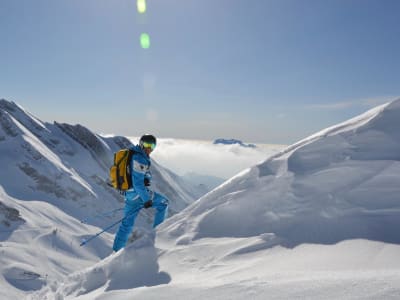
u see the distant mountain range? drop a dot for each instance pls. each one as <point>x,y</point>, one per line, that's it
<point>233,142</point>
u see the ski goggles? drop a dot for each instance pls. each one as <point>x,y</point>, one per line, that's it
<point>149,145</point>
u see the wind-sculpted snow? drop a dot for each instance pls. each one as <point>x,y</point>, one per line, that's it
<point>341,183</point>
<point>24,280</point>
<point>136,266</point>
<point>317,221</point>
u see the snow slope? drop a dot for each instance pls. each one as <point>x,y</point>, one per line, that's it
<point>317,221</point>
<point>52,177</point>
<point>67,165</point>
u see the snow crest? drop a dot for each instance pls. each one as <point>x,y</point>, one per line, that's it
<point>339,184</point>
<point>317,221</point>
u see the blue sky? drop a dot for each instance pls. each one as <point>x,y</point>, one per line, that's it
<point>261,71</point>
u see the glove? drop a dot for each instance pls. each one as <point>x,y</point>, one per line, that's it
<point>148,204</point>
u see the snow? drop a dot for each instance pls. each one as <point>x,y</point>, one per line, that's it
<point>318,220</point>
<point>52,177</point>
<point>227,268</point>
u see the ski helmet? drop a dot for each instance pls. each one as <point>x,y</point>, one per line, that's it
<point>148,141</point>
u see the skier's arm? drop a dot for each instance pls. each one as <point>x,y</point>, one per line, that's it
<point>139,170</point>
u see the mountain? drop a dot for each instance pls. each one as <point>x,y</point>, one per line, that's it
<point>204,182</point>
<point>233,142</point>
<point>52,177</point>
<point>337,184</point>
<point>319,220</point>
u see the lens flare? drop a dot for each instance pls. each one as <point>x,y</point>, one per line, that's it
<point>145,41</point>
<point>141,6</point>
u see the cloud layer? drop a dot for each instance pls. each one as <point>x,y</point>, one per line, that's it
<point>203,157</point>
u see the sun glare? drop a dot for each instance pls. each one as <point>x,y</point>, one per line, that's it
<point>145,40</point>
<point>141,6</point>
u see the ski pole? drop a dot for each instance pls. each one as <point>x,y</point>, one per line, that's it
<point>85,241</point>
<point>101,215</point>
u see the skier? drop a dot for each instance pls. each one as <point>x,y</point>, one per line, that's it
<point>140,195</point>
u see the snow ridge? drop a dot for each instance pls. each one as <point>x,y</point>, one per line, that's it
<point>338,184</point>
<point>53,176</point>
<point>318,221</point>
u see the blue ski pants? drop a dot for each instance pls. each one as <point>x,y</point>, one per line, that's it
<point>133,204</point>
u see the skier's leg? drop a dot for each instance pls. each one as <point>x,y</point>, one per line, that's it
<point>131,210</point>
<point>160,203</point>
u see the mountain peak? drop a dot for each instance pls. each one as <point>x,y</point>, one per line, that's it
<point>8,105</point>
<point>22,116</point>
<point>233,142</point>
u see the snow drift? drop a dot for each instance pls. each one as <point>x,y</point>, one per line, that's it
<point>318,220</point>
<point>340,183</point>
